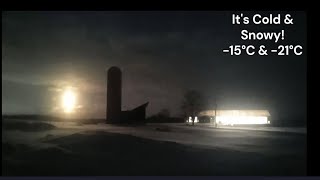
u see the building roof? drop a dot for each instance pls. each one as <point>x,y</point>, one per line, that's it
<point>143,106</point>
<point>235,113</point>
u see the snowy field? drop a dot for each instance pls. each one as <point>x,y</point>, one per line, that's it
<point>70,148</point>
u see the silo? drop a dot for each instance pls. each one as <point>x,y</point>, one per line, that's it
<point>113,95</point>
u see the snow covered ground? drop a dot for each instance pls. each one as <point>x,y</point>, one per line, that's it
<point>264,142</point>
<point>237,138</point>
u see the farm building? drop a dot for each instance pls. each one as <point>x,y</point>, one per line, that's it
<point>236,117</point>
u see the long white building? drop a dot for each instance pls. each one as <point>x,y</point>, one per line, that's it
<point>237,117</point>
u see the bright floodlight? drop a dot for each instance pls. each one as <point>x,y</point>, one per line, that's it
<point>68,101</point>
<point>196,119</point>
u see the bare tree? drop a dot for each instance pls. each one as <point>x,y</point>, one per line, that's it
<point>164,113</point>
<point>192,104</point>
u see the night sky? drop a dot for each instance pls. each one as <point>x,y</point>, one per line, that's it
<point>161,55</point>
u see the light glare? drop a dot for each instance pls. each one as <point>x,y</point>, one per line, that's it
<point>68,101</point>
<point>231,120</point>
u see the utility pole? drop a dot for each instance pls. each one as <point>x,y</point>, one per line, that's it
<point>215,114</point>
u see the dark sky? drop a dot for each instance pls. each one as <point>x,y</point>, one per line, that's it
<point>161,54</point>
